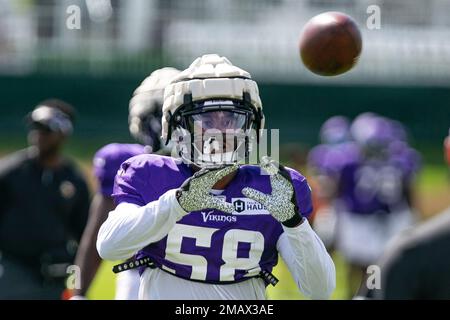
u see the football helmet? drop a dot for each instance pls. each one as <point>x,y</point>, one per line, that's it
<point>373,134</point>
<point>399,130</point>
<point>335,130</point>
<point>212,112</point>
<point>145,108</point>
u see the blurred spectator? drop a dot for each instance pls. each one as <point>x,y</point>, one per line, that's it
<point>44,203</point>
<point>417,263</point>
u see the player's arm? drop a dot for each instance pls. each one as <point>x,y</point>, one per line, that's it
<point>80,211</point>
<point>305,254</point>
<point>133,224</point>
<point>300,247</point>
<point>87,258</point>
<point>308,261</point>
<point>131,227</point>
<point>105,166</point>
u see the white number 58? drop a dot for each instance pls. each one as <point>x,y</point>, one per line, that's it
<point>203,236</point>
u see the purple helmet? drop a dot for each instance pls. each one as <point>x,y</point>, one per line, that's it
<point>372,131</point>
<point>398,130</point>
<point>335,130</point>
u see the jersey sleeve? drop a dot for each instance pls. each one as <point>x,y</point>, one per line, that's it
<point>302,193</point>
<point>308,261</point>
<point>107,162</point>
<point>130,181</point>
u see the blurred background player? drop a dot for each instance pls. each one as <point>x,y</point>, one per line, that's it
<point>375,197</point>
<point>145,110</point>
<point>334,139</point>
<point>369,181</point>
<point>416,264</point>
<point>44,203</point>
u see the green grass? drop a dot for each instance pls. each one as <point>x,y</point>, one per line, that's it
<point>103,287</point>
<point>433,177</point>
<point>286,289</point>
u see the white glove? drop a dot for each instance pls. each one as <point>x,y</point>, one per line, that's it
<point>194,193</point>
<point>281,203</point>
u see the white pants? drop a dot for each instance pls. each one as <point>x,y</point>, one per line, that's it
<point>362,238</point>
<point>127,285</point>
<point>160,285</point>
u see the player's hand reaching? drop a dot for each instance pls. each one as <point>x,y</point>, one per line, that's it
<point>194,193</point>
<point>281,202</point>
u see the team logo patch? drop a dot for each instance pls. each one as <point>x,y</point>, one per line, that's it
<point>248,206</point>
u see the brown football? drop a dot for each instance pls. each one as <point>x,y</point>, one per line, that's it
<point>330,44</point>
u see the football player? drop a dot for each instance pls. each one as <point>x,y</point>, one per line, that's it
<point>410,269</point>
<point>334,144</point>
<point>203,226</point>
<point>145,112</point>
<point>374,193</point>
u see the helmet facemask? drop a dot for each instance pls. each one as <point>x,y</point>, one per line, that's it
<point>145,109</point>
<point>145,126</point>
<point>214,132</point>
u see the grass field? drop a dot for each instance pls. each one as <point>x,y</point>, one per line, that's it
<point>432,190</point>
<point>103,286</point>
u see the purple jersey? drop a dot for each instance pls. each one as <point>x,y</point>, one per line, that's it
<point>369,186</point>
<point>329,159</point>
<point>107,162</point>
<point>209,245</point>
<point>405,156</point>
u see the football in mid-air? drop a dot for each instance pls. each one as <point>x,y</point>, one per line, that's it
<point>330,44</point>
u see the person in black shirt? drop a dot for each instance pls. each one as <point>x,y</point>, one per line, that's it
<point>44,203</point>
